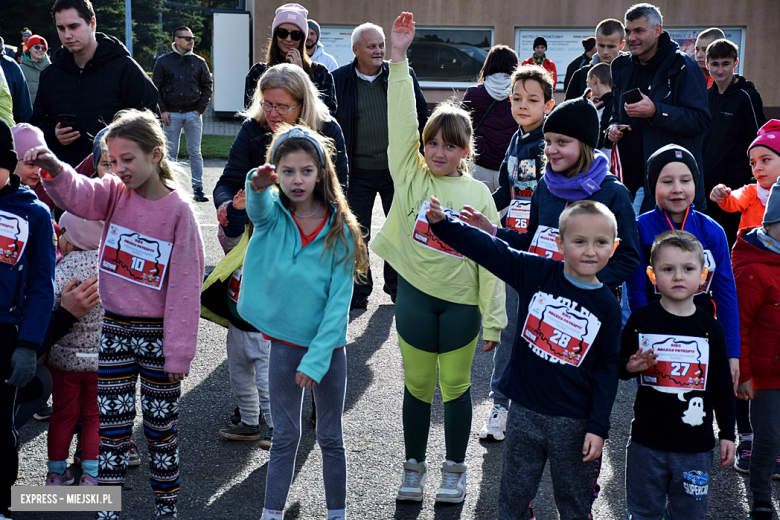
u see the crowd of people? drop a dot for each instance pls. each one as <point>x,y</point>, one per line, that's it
<point>629,232</point>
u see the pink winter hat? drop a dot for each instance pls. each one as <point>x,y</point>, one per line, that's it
<point>292,13</point>
<point>768,135</point>
<point>84,234</point>
<point>26,136</point>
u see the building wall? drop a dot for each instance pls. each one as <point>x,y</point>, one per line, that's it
<point>760,17</point>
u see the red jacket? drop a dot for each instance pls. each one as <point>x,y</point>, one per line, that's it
<point>757,275</point>
<point>548,66</point>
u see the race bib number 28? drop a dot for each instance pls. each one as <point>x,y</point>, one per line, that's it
<point>558,331</point>
<point>135,257</point>
<point>14,234</point>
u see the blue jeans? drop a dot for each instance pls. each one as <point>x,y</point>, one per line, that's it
<point>192,124</point>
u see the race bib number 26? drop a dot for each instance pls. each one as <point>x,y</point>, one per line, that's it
<point>135,257</point>
<point>559,331</point>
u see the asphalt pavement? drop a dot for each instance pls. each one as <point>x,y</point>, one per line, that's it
<point>225,480</point>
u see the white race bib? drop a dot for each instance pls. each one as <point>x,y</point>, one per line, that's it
<point>234,286</point>
<point>518,215</point>
<point>559,331</point>
<point>543,243</point>
<point>423,235</point>
<point>682,363</point>
<point>135,257</point>
<point>14,235</point>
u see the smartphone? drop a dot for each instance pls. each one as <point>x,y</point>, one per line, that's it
<point>632,96</point>
<point>68,120</point>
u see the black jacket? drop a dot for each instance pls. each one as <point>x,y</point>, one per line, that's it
<point>111,81</point>
<point>574,66</point>
<point>184,82</point>
<point>679,91</point>
<point>737,114</point>
<point>320,76</point>
<point>346,90</point>
<point>249,150</point>
<point>606,115</point>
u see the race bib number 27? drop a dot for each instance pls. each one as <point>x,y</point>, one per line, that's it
<point>681,364</point>
<point>135,257</point>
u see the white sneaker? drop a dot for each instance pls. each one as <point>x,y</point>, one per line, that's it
<point>495,427</point>
<point>453,483</point>
<point>413,483</point>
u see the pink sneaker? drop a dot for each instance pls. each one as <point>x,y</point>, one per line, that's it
<point>55,479</point>
<point>88,480</point>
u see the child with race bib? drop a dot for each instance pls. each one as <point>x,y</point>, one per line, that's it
<point>151,270</point>
<point>678,351</point>
<point>574,171</point>
<point>671,178</point>
<point>440,294</point>
<point>304,255</point>
<point>562,377</point>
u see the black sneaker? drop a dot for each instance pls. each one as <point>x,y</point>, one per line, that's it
<point>198,195</point>
<point>267,440</point>
<point>392,292</point>
<point>761,511</point>
<point>236,417</point>
<point>742,458</point>
<point>241,432</point>
<point>43,414</point>
<point>359,301</point>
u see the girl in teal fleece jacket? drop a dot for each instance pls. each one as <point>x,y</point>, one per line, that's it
<point>299,270</point>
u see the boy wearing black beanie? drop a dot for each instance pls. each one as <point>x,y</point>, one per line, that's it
<point>26,299</point>
<point>672,174</point>
<point>539,57</point>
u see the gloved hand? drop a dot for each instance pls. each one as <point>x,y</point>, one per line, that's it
<point>23,362</point>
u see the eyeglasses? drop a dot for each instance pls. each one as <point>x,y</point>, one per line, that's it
<point>281,110</point>
<point>39,47</point>
<point>188,38</point>
<point>284,33</point>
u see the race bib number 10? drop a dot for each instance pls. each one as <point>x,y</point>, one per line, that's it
<point>559,331</point>
<point>14,234</point>
<point>135,257</point>
<point>682,363</point>
<point>423,235</point>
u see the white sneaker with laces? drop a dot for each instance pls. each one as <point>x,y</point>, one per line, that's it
<point>413,483</point>
<point>453,483</point>
<point>495,427</point>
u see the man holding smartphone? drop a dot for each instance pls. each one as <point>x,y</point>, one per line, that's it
<point>660,98</point>
<point>184,83</point>
<point>91,78</point>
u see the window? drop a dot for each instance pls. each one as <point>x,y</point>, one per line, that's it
<point>443,57</point>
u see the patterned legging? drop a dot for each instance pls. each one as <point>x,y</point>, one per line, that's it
<point>129,346</point>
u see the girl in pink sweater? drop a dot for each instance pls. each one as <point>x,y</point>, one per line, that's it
<point>151,269</point>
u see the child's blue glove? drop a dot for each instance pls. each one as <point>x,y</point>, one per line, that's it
<point>23,362</point>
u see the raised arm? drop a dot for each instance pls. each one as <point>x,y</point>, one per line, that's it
<point>258,196</point>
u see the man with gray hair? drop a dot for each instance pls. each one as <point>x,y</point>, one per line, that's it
<point>361,88</point>
<point>660,98</point>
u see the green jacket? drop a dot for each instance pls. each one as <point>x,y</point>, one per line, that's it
<point>32,72</point>
<point>6,101</point>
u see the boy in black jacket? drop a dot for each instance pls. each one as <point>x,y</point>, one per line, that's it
<point>563,372</point>
<point>737,114</point>
<point>26,299</point>
<point>679,353</point>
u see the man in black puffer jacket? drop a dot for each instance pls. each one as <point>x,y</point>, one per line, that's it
<point>92,77</point>
<point>184,83</point>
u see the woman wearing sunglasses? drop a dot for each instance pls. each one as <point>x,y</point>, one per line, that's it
<point>34,60</point>
<point>288,45</point>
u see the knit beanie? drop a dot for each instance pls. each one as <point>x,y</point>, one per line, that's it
<point>669,154</point>
<point>7,154</point>
<point>577,118</point>
<point>769,136</point>
<point>84,234</point>
<point>772,211</point>
<point>36,39</point>
<point>292,13</point>
<point>540,41</point>
<point>588,43</point>
<point>26,136</point>
<point>314,25</point>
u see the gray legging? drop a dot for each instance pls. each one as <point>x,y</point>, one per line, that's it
<point>286,408</point>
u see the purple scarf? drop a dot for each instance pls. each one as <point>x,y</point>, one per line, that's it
<point>582,185</point>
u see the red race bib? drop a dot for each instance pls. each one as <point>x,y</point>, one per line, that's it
<point>137,258</point>
<point>14,234</point>
<point>543,243</point>
<point>234,287</point>
<point>682,363</point>
<point>423,235</point>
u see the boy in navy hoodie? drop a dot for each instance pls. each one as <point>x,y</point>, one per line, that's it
<point>671,176</point>
<point>678,351</point>
<point>563,372</point>
<point>26,299</point>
